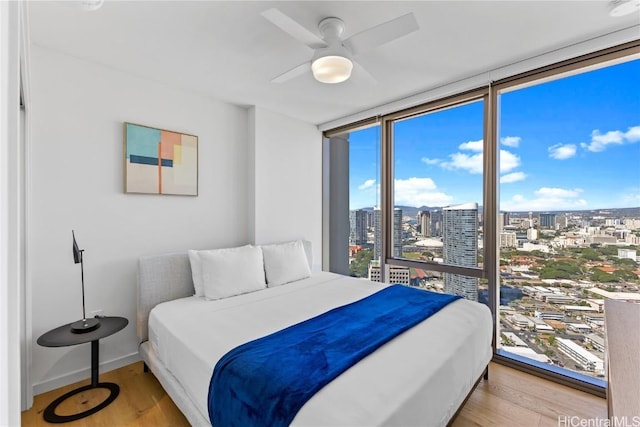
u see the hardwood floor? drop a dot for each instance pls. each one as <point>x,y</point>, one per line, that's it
<point>142,402</point>
<point>513,398</point>
<point>509,398</point>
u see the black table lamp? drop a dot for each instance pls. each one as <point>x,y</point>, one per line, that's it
<point>84,325</point>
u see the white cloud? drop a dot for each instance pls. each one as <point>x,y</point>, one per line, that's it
<point>557,192</point>
<point>562,152</point>
<point>472,164</point>
<point>546,198</point>
<point>632,134</point>
<point>599,142</point>
<point>513,177</point>
<point>419,192</point>
<point>472,145</point>
<point>429,161</point>
<point>370,183</point>
<point>508,161</point>
<point>511,141</point>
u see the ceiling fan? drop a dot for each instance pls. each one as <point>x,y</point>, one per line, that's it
<point>332,60</point>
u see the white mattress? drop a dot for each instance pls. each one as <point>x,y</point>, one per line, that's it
<point>418,378</point>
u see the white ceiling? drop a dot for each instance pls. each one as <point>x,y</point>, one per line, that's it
<point>227,50</point>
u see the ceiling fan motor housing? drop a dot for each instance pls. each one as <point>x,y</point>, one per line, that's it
<point>332,64</point>
<point>331,28</point>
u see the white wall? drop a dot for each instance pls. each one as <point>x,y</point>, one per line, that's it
<point>10,243</point>
<point>287,179</point>
<point>78,110</point>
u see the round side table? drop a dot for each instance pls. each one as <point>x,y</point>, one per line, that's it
<point>63,336</point>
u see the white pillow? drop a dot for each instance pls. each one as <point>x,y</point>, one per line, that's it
<point>285,262</point>
<point>232,271</point>
<point>196,271</point>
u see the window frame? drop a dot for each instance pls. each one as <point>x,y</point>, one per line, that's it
<point>387,178</point>
<point>599,59</point>
<point>491,249</point>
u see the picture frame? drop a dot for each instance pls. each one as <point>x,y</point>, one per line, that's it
<point>159,161</point>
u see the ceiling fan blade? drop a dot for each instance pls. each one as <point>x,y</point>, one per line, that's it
<point>292,73</point>
<point>293,28</point>
<point>361,74</point>
<point>381,34</point>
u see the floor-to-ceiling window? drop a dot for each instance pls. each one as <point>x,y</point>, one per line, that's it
<point>354,158</point>
<point>364,199</point>
<point>569,226</point>
<point>436,190</point>
<point>524,195</point>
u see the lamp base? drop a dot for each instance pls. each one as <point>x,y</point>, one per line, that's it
<point>85,325</point>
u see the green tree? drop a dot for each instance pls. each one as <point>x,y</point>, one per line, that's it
<point>624,262</point>
<point>428,255</point>
<point>590,254</point>
<point>560,270</point>
<point>624,275</point>
<point>598,275</point>
<point>612,250</point>
<point>359,267</point>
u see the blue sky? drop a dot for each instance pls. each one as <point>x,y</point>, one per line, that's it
<point>568,144</point>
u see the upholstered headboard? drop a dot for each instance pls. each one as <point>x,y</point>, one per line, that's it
<point>167,277</point>
<point>161,278</point>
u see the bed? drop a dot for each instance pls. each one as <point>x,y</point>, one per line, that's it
<point>421,377</point>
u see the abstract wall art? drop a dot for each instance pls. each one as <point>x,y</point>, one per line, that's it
<point>159,161</point>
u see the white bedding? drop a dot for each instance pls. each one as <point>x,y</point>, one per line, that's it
<point>419,378</point>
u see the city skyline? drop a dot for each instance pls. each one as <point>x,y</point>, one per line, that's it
<point>567,144</point>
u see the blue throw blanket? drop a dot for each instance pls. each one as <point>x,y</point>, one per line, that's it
<point>265,382</point>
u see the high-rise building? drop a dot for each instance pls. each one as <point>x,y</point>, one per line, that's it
<point>377,233</point>
<point>397,233</point>
<point>424,219</point>
<point>460,248</point>
<point>548,220</point>
<point>370,220</point>
<point>503,220</point>
<point>358,227</point>
<point>436,223</point>
<point>562,221</point>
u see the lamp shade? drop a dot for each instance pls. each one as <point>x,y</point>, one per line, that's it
<point>77,252</point>
<point>332,68</point>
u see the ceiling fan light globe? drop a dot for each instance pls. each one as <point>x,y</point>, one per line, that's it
<point>332,69</point>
